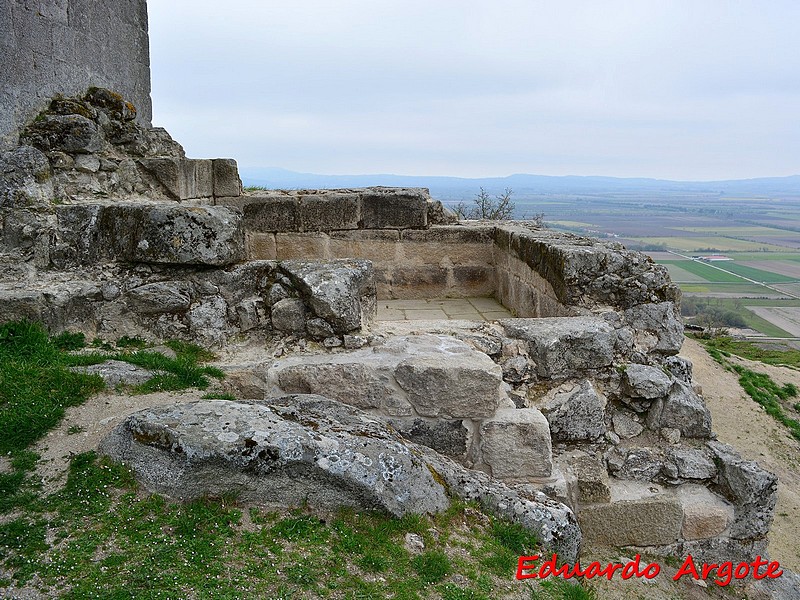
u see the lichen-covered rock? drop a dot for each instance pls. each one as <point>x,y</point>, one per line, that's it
<point>641,381</point>
<point>319,329</point>
<point>450,438</point>
<point>26,179</point>
<point>161,233</point>
<point>576,414</point>
<point>752,490</point>
<point>73,134</point>
<point>161,297</point>
<point>565,346</point>
<point>340,291</point>
<point>294,452</point>
<point>689,463</point>
<point>682,409</point>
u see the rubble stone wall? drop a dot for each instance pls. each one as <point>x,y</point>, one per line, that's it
<point>51,47</point>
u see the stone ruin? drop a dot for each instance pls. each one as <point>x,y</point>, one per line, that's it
<point>575,418</point>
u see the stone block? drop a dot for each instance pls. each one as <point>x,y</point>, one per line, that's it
<point>515,444</point>
<point>394,208</point>
<point>308,246</point>
<point>752,490</point>
<point>564,346</point>
<point>289,316</point>
<point>576,414</point>
<point>340,291</point>
<point>590,475</point>
<point>634,517</point>
<point>448,437</point>
<point>162,297</point>
<point>453,234</point>
<point>682,409</point>
<point>226,178</point>
<point>271,213</point>
<point>183,178</point>
<point>458,383</point>
<point>689,463</point>
<point>635,464</point>
<point>657,328</point>
<point>705,514</point>
<point>641,381</point>
<point>325,212</point>
<point>260,246</point>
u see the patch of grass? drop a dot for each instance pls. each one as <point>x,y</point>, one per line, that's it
<point>131,342</point>
<point>759,386</point>
<point>69,341</point>
<point>35,386</point>
<point>432,566</point>
<point>565,590</point>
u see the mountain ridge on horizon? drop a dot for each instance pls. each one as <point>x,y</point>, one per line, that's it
<point>522,183</point>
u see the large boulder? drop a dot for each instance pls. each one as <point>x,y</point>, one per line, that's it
<point>658,327</point>
<point>309,450</point>
<point>323,454</point>
<point>576,414</point>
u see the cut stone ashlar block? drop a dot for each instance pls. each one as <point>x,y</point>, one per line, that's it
<point>394,208</point>
<point>161,233</point>
<point>515,444</point>
<point>635,516</point>
<point>226,178</point>
<point>705,515</point>
<point>183,178</point>
<point>564,346</point>
<point>424,375</point>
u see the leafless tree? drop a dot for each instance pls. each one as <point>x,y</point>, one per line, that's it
<point>497,208</point>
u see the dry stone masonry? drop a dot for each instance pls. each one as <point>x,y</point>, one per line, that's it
<point>575,418</point>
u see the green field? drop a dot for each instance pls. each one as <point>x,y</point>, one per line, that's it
<point>706,272</point>
<point>756,274</point>
<point>701,244</point>
<point>743,289</point>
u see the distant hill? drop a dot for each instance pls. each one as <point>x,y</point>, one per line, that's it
<point>523,184</point>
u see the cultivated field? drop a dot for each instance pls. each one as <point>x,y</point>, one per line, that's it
<point>760,235</point>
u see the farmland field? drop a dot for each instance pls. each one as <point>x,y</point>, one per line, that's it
<point>709,244</point>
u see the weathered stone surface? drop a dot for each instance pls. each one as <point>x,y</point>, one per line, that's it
<point>270,214</point>
<point>576,414</point>
<point>277,292</point>
<point>646,521</point>
<point>682,409</point>
<point>705,514</point>
<point>162,297</point>
<point>319,328</point>
<point>289,315</point>
<point>226,178</point>
<point>681,368</point>
<point>658,327</point>
<point>591,477</point>
<point>296,451</point>
<point>340,291</point>
<point>516,369</point>
<point>25,179</point>
<point>72,134</point>
<point>515,443</point>
<point>635,464</point>
<point>148,232</point>
<point>446,437</point>
<point>562,347</point>
<point>394,208</point>
<point>752,490</point>
<point>553,522</point>
<point>625,426</point>
<point>688,463</point>
<point>439,376</point>
<point>456,383</point>
<point>785,587</point>
<point>183,178</point>
<point>116,372</point>
<point>641,381</point>
<point>331,211</point>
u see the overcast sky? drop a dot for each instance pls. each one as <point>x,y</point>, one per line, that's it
<point>694,89</point>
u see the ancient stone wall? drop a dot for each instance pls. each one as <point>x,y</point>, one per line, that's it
<point>50,47</point>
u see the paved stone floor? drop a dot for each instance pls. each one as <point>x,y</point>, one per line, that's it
<point>475,309</point>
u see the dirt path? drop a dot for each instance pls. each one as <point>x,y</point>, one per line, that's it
<point>743,424</point>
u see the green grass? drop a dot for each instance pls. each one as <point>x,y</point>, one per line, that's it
<point>707,272</point>
<point>756,274</point>
<point>759,386</point>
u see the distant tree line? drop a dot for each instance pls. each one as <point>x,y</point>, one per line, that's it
<point>707,313</point>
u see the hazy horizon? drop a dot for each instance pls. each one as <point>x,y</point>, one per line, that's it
<point>669,89</point>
